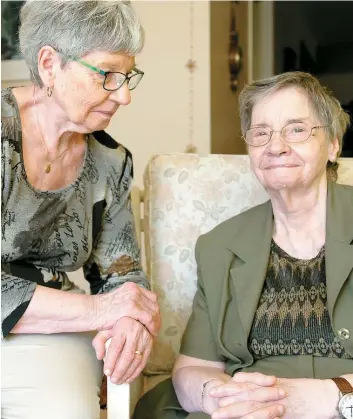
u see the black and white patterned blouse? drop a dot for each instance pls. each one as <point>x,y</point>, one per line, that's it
<point>46,234</point>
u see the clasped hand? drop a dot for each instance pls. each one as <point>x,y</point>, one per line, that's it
<point>258,396</point>
<point>137,322</point>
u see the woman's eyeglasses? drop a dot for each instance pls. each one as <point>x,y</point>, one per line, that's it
<point>292,133</point>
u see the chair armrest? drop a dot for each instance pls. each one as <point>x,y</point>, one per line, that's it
<point>118,401</point>
<point>122,398</point>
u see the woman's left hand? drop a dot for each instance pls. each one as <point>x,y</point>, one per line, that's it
<point>255,396</point>
<point>121,362</point>
<point>305,398</point>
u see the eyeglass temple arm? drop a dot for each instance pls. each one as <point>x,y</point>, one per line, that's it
<point>103,73</point>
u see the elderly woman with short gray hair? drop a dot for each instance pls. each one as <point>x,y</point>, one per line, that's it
<point>66,205</point>
<point>271,330</point>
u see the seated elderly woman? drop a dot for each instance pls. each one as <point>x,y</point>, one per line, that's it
<point>66,205</point>
<point>271,331</point>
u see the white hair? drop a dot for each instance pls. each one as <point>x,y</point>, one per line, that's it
<point>328,109</point>
<point>77,27</point>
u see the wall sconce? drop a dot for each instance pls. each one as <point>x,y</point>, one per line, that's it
<point>235,54</point>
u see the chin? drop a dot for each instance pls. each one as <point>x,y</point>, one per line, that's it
<point>281,183</point>
<point>100,126</point>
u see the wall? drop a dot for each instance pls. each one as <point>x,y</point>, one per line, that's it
<point>157,120</point>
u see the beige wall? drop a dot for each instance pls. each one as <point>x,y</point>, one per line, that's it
<point>157,120</point>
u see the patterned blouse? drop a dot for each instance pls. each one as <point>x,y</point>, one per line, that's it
<point>292,316</point>
<point>46,234</point>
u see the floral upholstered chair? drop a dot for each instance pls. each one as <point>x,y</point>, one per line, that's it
<point>185,196</point>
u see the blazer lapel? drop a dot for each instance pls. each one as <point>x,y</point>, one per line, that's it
<point>339,241</point>
<point>251,246</point>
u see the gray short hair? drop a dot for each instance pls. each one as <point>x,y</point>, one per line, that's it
<point>77,27</point>
<point>326,106</point>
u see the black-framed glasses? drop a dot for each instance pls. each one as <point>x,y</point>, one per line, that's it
<point>292,133</point>
<point>113,80</point>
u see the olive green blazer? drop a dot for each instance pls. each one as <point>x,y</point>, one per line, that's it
<point>232,262</point>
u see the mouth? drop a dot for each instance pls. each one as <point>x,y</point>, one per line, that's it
<point>106,114</point>
<point>281,166</point>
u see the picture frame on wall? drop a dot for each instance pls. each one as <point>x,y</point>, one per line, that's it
<point>13,66</point>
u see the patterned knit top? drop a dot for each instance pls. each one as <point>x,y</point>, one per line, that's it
<point>46,234</point>
<point>292,316</point>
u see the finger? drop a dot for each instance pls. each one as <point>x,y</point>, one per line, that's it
<point>124,361</point>
<point>139,306</point>
<point>147,303</point>
<point>132,374</point>
<point>136,364</point>
<point>153,308</point>
<point>230,389</point>
<point>149,319</point>
<point>137,289</point>
<point>98,343</point>
<point>113,353</point>
<point>260,394</point>
<point>255,378</point>
<point>257,410</point>
<point>269,412</point>
<point>152,296</point>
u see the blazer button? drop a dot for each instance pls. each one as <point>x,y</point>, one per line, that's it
<point>343,334</point>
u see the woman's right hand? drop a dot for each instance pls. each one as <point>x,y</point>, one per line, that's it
<point>258,399</point>
<point>129,300</point>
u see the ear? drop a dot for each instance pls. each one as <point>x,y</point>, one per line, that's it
<point>48,64</point>
<point>334,149</point>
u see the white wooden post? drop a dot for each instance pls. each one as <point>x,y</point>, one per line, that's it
<point>118,398</point>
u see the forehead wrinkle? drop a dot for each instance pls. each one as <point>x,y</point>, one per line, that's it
<point>280,107</point>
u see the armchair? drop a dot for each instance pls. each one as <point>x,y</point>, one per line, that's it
<point>185,196</point>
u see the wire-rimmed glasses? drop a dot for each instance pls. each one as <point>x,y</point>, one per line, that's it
<point>292,133</point>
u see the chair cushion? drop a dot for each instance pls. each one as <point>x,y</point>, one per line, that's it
<point>185,196</point>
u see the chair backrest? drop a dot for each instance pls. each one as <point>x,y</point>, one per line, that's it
<point>185,196</point>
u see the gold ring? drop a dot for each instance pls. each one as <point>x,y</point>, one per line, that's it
<point>138,353</point>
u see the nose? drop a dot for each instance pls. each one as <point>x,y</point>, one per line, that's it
<point>122,95</point>
<point>277,145</point>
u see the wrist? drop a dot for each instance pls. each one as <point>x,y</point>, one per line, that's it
<point>94,313</point>
<point>209,404</point>
<point>332,395</point>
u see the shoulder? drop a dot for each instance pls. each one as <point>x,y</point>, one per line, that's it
<point>8,108</point>
<point>223,233</point>
<point>344,191</point>
<point>341,199</point>
<point>10,122</point>
<point>115,156</point>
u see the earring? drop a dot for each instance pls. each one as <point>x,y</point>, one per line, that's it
<point>49,91</point>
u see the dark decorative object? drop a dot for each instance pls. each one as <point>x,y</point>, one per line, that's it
<point>347,150</point>
<point>289,59</point>
<point>235,54</point>
<point>307,62</point>
<point>9,29</point>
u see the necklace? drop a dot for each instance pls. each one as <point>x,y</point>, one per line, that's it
<point>49,161</point>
